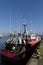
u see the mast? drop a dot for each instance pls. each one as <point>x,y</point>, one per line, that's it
<point>24,28</point>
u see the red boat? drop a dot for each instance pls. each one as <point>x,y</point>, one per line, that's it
<point>20,47</point>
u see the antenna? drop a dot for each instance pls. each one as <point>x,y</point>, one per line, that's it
<point>30,25</point>
<point>9,20</point>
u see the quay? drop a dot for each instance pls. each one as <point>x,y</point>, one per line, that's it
<point>34,61</point>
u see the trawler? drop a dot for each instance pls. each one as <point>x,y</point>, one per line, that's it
<point>20,47</point>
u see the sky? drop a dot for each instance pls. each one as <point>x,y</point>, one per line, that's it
<point>13,13</point>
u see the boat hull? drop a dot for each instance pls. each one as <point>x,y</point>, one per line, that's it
<point>10,57</point>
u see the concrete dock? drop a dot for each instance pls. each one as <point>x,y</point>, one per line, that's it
<point>34,61</point>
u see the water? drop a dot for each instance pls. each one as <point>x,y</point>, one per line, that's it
<point>2,45</point>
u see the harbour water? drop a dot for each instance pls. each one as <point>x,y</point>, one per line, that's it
<point>2,45</point>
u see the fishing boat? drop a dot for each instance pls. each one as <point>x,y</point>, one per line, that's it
<point>20,47</point>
